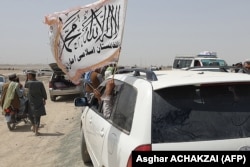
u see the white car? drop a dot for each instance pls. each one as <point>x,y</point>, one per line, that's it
<point>60,84</point>
<point>167,110</point>
<point>203,59</point>
<point>45,72</point>
<point>2,81</point>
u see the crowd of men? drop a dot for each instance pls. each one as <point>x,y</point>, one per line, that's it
<point>242,67</point>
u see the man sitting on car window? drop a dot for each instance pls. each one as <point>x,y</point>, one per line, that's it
<point>106,98</point>
<point>92,80</point>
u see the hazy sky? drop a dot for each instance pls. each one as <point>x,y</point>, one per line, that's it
<point>155,30</point>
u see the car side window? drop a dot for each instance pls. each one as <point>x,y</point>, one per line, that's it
<point>98,106</point>
<point>197,63</point>
<point>123,111</point>
<point>94,103</point>
<point>182,63</point>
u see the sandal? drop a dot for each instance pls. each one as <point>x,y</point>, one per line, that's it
<point>37,134</point>
<point>36,131</point>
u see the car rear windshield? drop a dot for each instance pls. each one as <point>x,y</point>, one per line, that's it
<point>201,113</point>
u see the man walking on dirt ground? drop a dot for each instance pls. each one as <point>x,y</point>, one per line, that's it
<point>37,97</point>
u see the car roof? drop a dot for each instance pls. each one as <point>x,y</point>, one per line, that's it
<point>170,78</point>
<point>198,58</point>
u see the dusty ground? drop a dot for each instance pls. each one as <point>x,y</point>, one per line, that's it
<point>59,143</point>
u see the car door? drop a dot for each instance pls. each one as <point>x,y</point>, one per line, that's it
<point>96,129</point>
<point>117,139</point>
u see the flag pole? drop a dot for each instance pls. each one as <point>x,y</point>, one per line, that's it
<point>121,40</point>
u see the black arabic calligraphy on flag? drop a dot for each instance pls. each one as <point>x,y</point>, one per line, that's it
<point>88,37</point>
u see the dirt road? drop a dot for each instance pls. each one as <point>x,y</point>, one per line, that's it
<point>57,146</point>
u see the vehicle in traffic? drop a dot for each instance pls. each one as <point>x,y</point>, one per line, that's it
<point>166,110</point>
<point>60,84</point>
<point>2,81</point>
<point>155,68</point>
<point>203,59</point>
<point>44,72</point>
<point>14,117</point>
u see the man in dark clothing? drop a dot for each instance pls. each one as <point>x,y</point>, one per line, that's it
<point>245,67</point>
<point>37,97</point>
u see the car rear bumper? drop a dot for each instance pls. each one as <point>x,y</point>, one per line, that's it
<point>60,92</point>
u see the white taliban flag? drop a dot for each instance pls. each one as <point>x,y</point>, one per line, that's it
<point>87,37</point>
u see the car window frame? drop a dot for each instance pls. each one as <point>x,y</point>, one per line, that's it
<point>101,88</point>
<point>120,102</point>
<point>116,102</point>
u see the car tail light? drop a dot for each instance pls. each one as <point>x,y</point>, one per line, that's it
<point>146,147</point>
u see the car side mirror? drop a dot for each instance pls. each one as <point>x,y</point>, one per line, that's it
<point>81,102</point>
